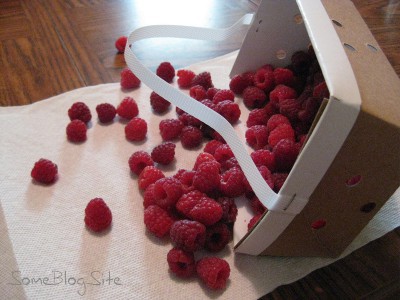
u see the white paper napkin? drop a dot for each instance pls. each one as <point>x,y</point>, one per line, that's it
<point>42,230</point>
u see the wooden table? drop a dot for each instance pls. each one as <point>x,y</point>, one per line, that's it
<point>48,47</point>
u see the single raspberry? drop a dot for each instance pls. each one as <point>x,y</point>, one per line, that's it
<point>253,221</point>
<point>189,120</point>
<point>170,129</point>
<point>166,71</point>
<point>276,120</point>
<point>76,131</point>
<point>211,146</point>
<point>229,110</point>
<point>300,62</point>
<point>149,175</point>
<point>229,209</point>
<point>158,103</point>
<point>79,111</point>
<point>254,97</point>
<point>148,196</point>
<point>211,92</point>
<point>185,176</point>
<point>106,112</point>
<point>207,177</point>
<point>136,129</point>
<point>286,152</point>
<point>264,79</point>
<point>167,192</point>
<point>157,220</point>
<point>198,92</point>
<point>181,263</point>
<point>188,235</point>
<point>256,206</point>
<point>206,211</point>
<point>128,108</point>
<point>44,171</point>
<point>264,157</point>
<point>223,95</point>
<point>128,79</point>
<point>321,90</point>
<point>232,182</point>
<point>204,79</point>
<point>120,43</point>
<point>191,137</point>
<point>201,158</point>
<point>279,179</point>
<point>238,83</point>
<point>185,78</point>
<point>223,153</point>
<point>164,154</point>
<point>217,237</point>
<point>284,131</point>
<point>281,92</point>
<point>139,160</point>
<point>214,272</point>
<point>257,116</point>
<point>98,216</point>
<point>290,108</point>
<point>283,76</point>
<point>189,200</point>
<point>257,136</point>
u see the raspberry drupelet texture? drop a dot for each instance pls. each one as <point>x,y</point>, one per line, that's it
<point>281,92</point>
<point>148,176</point>
<point>207,177</point>
<point>79,111</point>
<point>201,158</point>
<point>106,112</point>
<point>238,83</point>
<point>136,129</point>
<point>189,200</point>
<point>222,153</point>
<point>139,160</point>
<point>217,237</point>
<point>170,129</point>
<point>211,146</point>
<point>76,131</point>
<point>167,192</point>
<point>164,154</point>
<point>158,103</point>
<point>214,272</point>
<point>232,182</point>
<point>283,76</point>
<point>222,95</point>
<point>254,97</point>
<point>120,44</point>
<point>202,209</point>
<point>257,136</point>
<point>264,157</point>
<point>188,235</point>
<point>128,108</point>
<point>257,116</point>
<point>283,131</point>
<point>157,220</point>
<point>276,120</point>
<point>129,80</point>
<point>285,152</point>
<point>166,71</point>
<point>191,137</point>
<point>264,79</point>
<point>181,263</point>
<point>229,110</point>
<point>44,171</point>
<point>229,209</point>
<point>204,79</point>
<point>185,78</point>
<point>198,92</point>
<point>148,196</point>
<point>98,216</point>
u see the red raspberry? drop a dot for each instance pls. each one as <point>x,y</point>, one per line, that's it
<point>164,154</point>
<point>209,103</point>
<point>254,97</point>
<point>253,221</point>
<point>264,80</point>
<point>76,131</point>
<point>321,90</point>
<point>256,205</point>
<point>98,216</point>
<point>223,95</point>
<point>290,108</point>
<point>188,235</point>
<point>257,136</point>
<point>203,79</point>
<point>106,112</point>
<point>157,220</point>
<point>283,131</point>
<point>211,146</point>
<point>139,160</point>
<point>206,211</point>
<point>229,110</point>
<point>166,71</point>
<point>79,111</point>
<point>286,152</point>
<point>238,83</point>
<point>201,158</point>
<point>214,272</point>
<point>263,157</point>
<point>185,78</point>
<point>279,179</point>
<point>149,175</point>
<point>310,109</point>
<point>283,76</point>
<point>120,43</point>
<point>167,192</point>
<point>276,120</point>
<point>170,129</point>
<point>281,92</point>
<point>229,209</point>
<point>136,129</point>
<point>44,171</point>
<point>188,119</point>
<point>211,92</point>
<point>207,177</point>
<point>229,164</point>
<point>191,137</point>
<point>158,103</point>
<point>198,92</point>
<point>189,200</point>
<point>148,196</point>
<point>128,108</point>
<point>129,80</point>
<point>223,153</point>
<point>232,182</point>
<point>181,263</point>
<point>257,116</point>
<point>217,237</point>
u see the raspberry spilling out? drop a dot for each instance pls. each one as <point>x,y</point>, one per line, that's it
<point>185,78</point>
<point>44,171</point>
<point>214,272</point>
<point>164,154</point>
<point>148,176</point>
<point>128,108</point>
<point>136,129</point>
<point>254,97</point>
<point>204,79</point>
<point>188,235</point>
<point>191,137</point>
<point>181,263</point>
<point>98,216</point>
<point>217,237</point>
<point>120,43</point>
<point>129,80</point>
<point>167,192</point>
<point>158,103</point>
<point>157,220</point>
<point>139,160</point>
<point>79,111</point>
<point>170,129</point>
<point>106,112</point>
<point>166,71</point>
<point>76,131</point>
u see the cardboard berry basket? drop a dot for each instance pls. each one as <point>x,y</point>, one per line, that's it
<point>350,164</point>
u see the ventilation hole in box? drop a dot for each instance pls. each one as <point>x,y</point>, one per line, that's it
<point>372,48</point>
<point>298,19</point>
<point>318,224</point>
<point>349,47</point>
<point>337,23</point>
<point>368,207</point>
<point>281,54</point>
<point>353,181</point>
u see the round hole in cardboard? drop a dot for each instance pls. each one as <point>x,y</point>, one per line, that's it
<point>337,23</point>
<point>318,224</point>
<point>368,207</point>
<point>298,19</point>
<point>349,47</point>
<point>281,54</point>
<point>353,181</point>
<point>372,48</point>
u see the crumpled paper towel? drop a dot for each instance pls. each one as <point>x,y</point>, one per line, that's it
<point>46,251</point>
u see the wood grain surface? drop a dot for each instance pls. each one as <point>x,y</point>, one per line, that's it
<point>48,47</point>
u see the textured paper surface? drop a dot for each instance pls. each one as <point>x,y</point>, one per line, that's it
<point>42,230</point>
